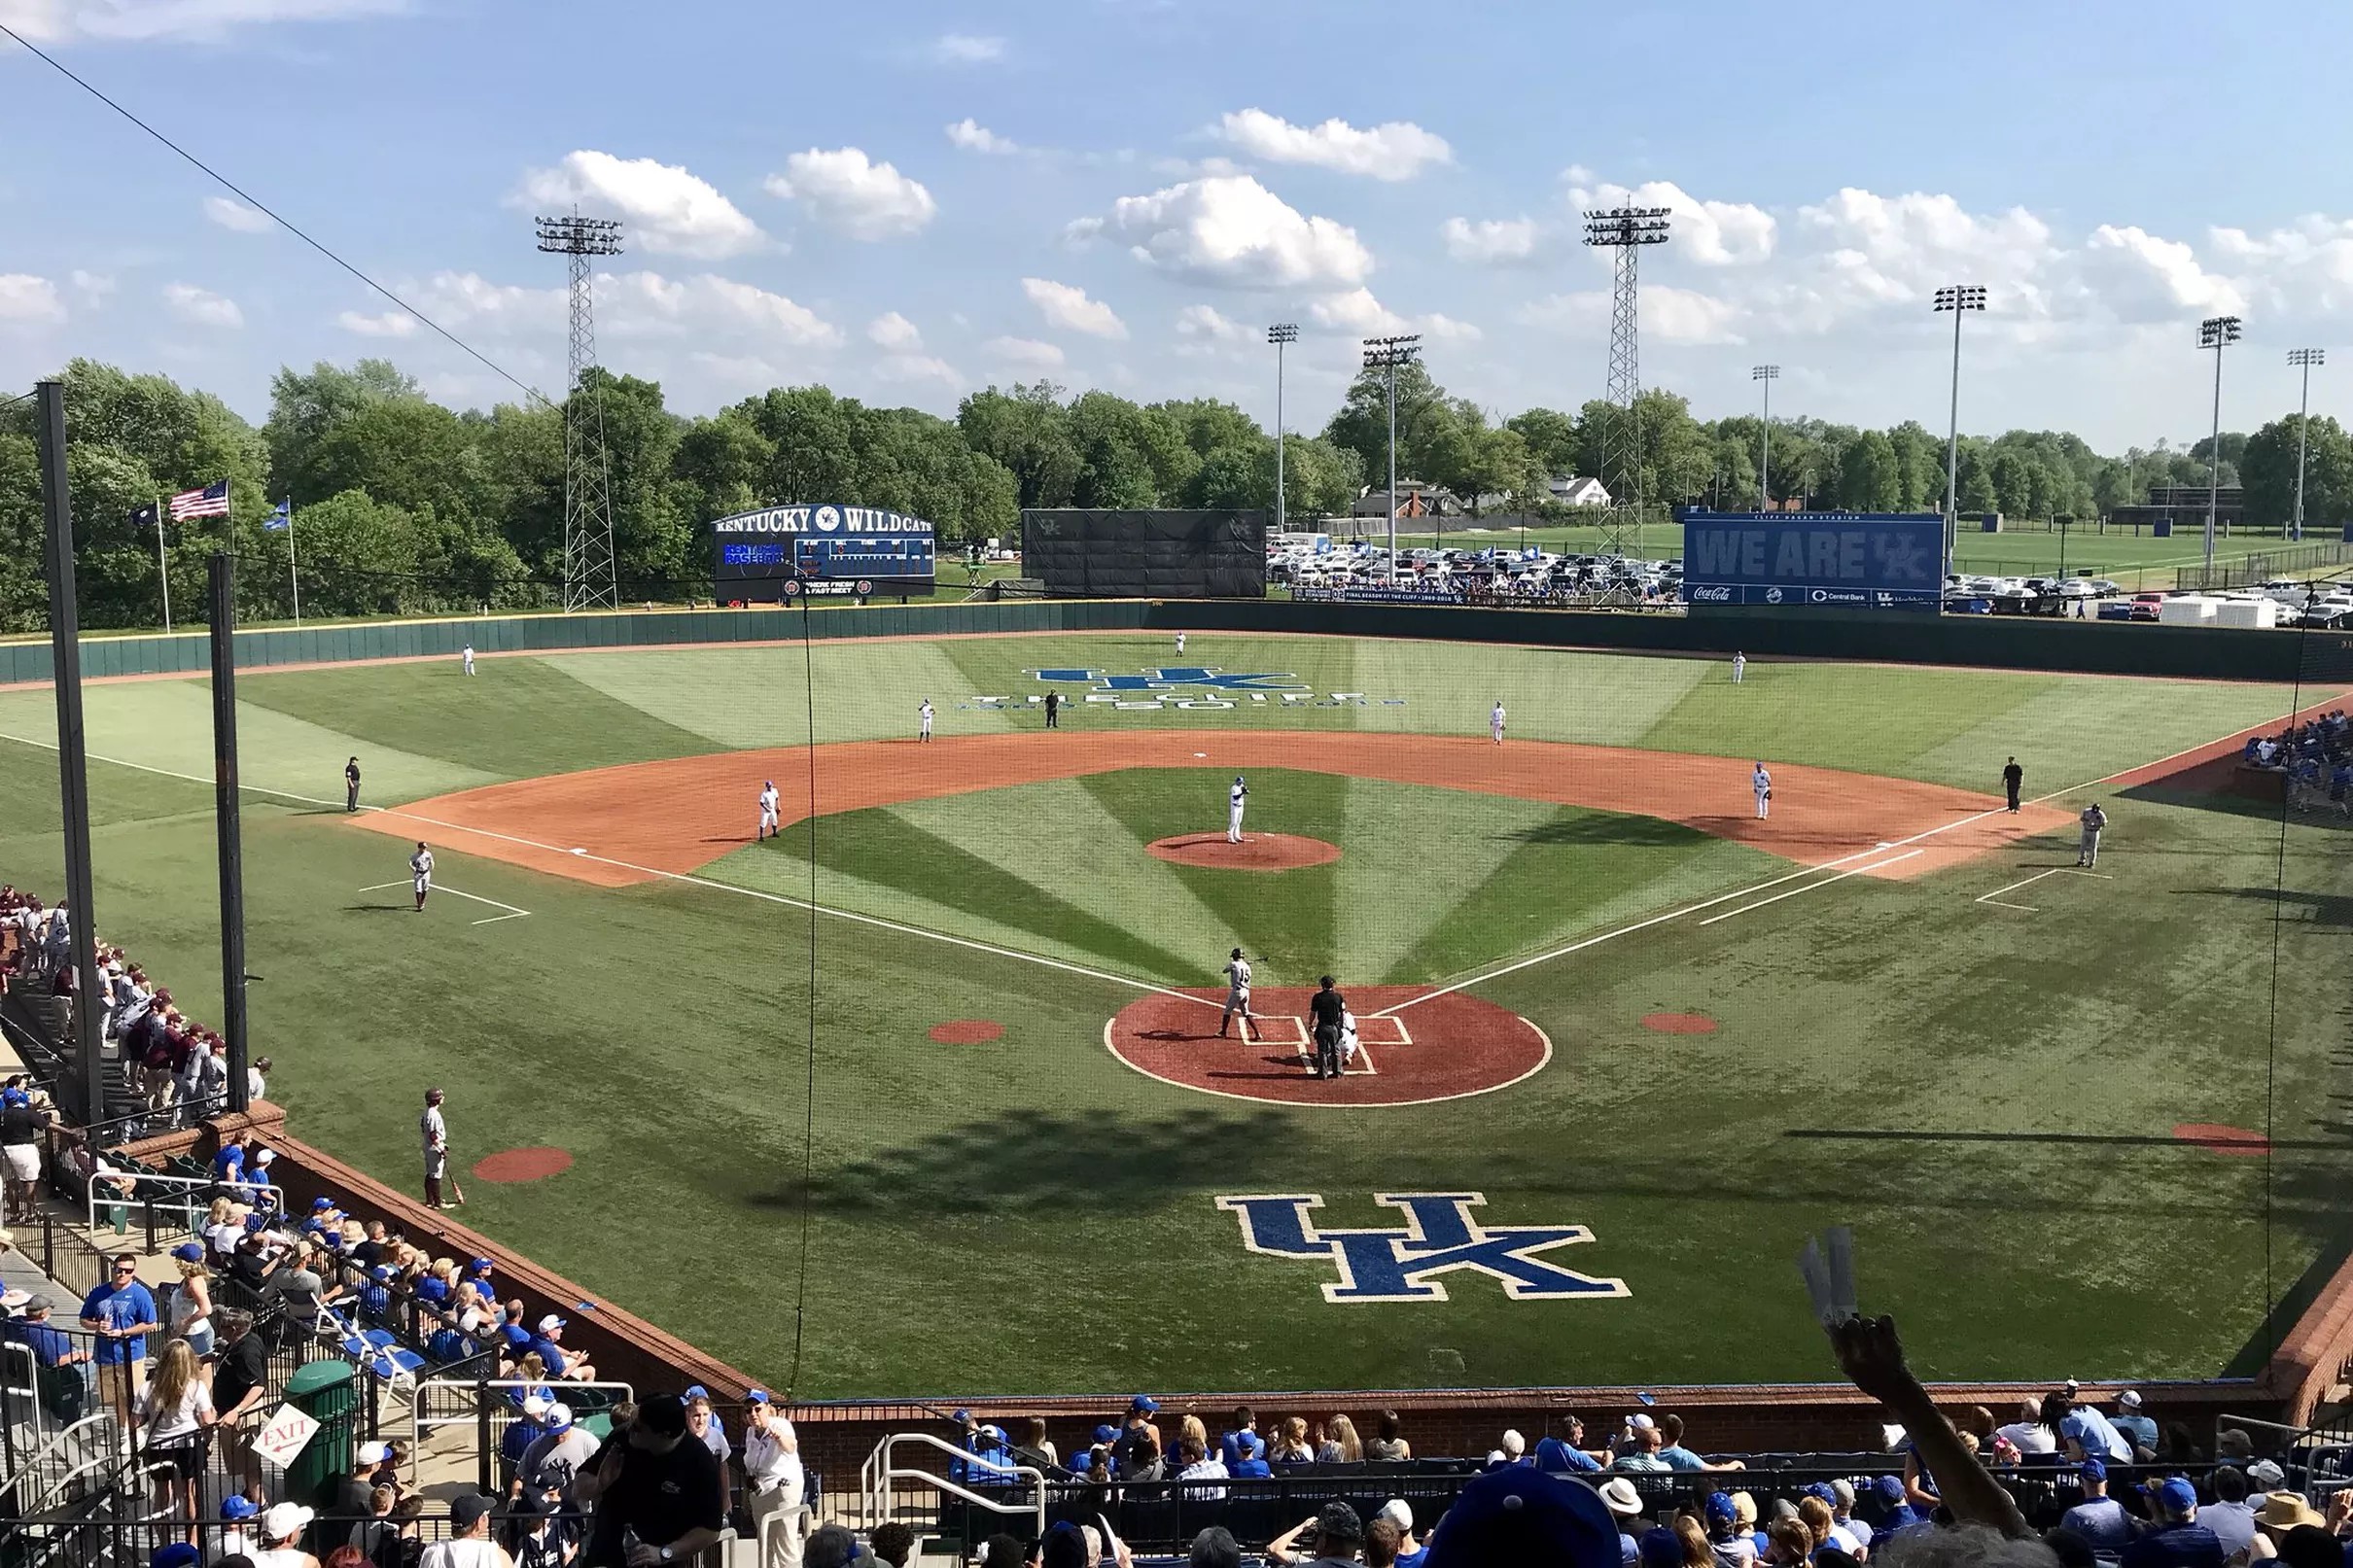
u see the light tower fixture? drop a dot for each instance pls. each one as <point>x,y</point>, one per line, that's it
<point>1386,354</point>
<point>2217,333</point>
<point>1767,376</point>
<point>1625,232</point>
<point>2305,358</point>
<point>591,579</point>
<point>1280,333</point>
<point>1960,299</point>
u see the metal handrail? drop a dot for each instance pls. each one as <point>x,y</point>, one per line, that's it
<point>480,1414</point>
<point>879,1473</point>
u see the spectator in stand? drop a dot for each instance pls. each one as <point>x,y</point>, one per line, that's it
<point>1624,1505</point>
<point>1229,1445</point>
<point>1678,1457</point>
<point>2085,1431</point>
<point>1529,1520</point>
<point>1565,1454</point>
<point>1788,1544</point>
<point>1200,1465</point>
<point>1390,1444</point>
<point>281,1527</point>
<point>239,1389</point>
<point>1332,1535</point>
<point>241,1535</point>
<point>1214,1547</point>
<point>122,1313</point>
<point>515,1339</point>
<point>2030,1433</point>
<point>1141,1411</point>
<point>257,1079</point>
<point>1697,1552</point>
<point>1139,1459</point>
<point>552,1464</point>
<point>893,1542</point>
<point>176,1409</point>
<point>516,1441</point>
<point>704,1423</point>
<point>22,1130</point>
<point>2175,1539</point>
<point>650,1480</point>
<point>1728,1545</point>
<point>369,1251</point>
<point>71,1395</point>
<point>548,1347</point>
<point>469,1544</point>
<point>2100,1519</point>
<point>2229,1516</point>
<point>1342,1446</point>
<point>1815,1512</point>
<point>1291,1444</point>
<point>774,1482</point>
<point>192,1302</point>
<point>542,1538</point>
<point>1896,1514</point>
<point>224,1229</point>
<point>1648,1439</point>
<point>1397,1512</point>
<point>1249,1461</point>
<point>1381,1543</point>
<point>1510,1449</point>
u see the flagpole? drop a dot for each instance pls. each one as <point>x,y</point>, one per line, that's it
<point>162,572</point>
<point>291,575</point>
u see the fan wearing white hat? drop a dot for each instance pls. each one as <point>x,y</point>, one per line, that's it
<point>2137,1427</point>
<point>1400,1513</point>
<point>281,1530</point>
<point>552,1462</point>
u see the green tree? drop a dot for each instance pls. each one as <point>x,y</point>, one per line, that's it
<point>1977,488</point>
<point>1551,436</point>
<point>1871,476</point>
<point>1027,430</point>
<point>2012,484</point>
<point>2267,469</point>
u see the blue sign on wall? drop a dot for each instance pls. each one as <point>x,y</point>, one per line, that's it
<point>1814,560</point>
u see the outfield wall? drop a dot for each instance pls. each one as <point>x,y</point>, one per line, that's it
<point>1970,642</point>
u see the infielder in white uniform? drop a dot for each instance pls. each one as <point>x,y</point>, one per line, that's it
<point>467,656</point>
<point>1761,783</point>
<point>1181,642</point>
<point>2088,843</point>
<point>923,721</point>
<point>1495,721</point>
<point>420,873</point>
<point>1238,998</point>
<point>767,812</point>
<point>1234,798</point>
<point>1739,667</point>
<point>1347,1040</point>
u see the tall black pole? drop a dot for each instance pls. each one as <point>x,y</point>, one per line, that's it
<point>73,764</point>
<point>220,583</point>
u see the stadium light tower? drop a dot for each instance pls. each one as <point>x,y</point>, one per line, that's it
<point>1386,354</point>
<point>1281,332</point>
<point>1959,298</point>
<point>1624,231</point>
<point>1767,374</point>
<point>2305,358</point>
<point>2217,333</point>
<point>591,580</point>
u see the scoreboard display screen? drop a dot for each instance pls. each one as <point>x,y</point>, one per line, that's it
<point>782,553</point>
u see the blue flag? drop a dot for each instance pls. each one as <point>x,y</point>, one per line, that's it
<point>281,516</point>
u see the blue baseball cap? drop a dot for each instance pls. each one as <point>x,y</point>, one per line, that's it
<point>1661,1549</point>
<point>239,1507</point>
<point>15,1096</point>
<point>696,1391</point>
<point>758,1396</point>
<point>1720,1506</point>
<point>1889,1487</point>
<point>1107,1433</point>
<point>1143,1404</point>
<point>179,1554</point>
<point>381,1273</point>
<point>188,1252</point>
<point>480,1265</point>
<point>2177,1496</point>
<point>2092,1470</point>
<point>1823,1490</point>
<point>960,1417</point>
<point>320,1206</point>
<point>1250,1443</point>
<point>1518,1514</point>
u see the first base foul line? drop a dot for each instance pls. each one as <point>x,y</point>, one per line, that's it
<point>511,914</point>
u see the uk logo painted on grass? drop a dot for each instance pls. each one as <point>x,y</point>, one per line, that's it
<point>1172,677</point>
<point>1439,1236</point>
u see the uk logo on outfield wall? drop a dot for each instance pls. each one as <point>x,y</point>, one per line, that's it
<point>1405,1264</point>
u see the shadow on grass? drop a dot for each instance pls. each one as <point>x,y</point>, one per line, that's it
<point>2298,908</point>
<point>1043,1160</point>
<point>1647,831</point>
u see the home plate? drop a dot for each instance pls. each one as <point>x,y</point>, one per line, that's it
<point>576,850</point>
<point>1201,753</point>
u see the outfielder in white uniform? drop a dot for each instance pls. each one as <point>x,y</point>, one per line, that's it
<point>923,721</point>
<point>467,655</point>
<point>1238,998</point>
<point>767,812</point>
<point>1739,667</point>
<point>1234,798</point>
<point>1181,642</point>
<point>1760,782</point>
<point>420,872</point>
<point>1347,1040</point>
<point>1495,721</point>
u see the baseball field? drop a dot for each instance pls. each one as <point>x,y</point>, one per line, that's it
<point>924,1095</point>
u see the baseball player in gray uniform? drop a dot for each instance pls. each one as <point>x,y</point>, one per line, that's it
<point>2088,844</point>
<point>1234,798</point>
<point>1238,998</point>
<point>1760,783</point>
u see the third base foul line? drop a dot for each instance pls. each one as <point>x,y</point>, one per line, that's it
<point>1850,871</point>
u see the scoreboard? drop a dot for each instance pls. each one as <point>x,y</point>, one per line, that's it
<point>780,552</point>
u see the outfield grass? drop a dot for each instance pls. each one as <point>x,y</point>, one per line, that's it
<point>1032,1215</point>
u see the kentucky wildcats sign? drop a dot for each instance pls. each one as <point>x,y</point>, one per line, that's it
<point>1403,1264</point>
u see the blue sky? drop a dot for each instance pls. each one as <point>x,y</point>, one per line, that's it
<point>907,201</point>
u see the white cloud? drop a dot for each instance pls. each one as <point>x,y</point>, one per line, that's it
<point>894,334</point>
<point>2306,267</point>
<point>1067,306</point>
<point>1231,231</point>
<point>1399,150</point>
<point>201,308</point>
<point>1686,316</point>
<point>667,209</point>
<point>237,216</point>
<point>2142,277</point>
<point>29,301</point>
<point>1206,324</point>
<point>634,304</point>
<point>1491,242</point>
<point>1714,233</point>
<point>92,287</point>
<point>917,367</point>
<point>967,49</point>
<point>1583,310</point>
<point>133,21</point>
<point>974,137</point>
<point>1027,352</point>
<point>385,324</point>
<point>1446,328</point>
<point>1358,313</point>
<point>846,190</point>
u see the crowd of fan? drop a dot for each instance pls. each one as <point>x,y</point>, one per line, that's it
<point>2316,757</point>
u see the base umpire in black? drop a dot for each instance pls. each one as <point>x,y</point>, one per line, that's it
<point>1325,1008</point>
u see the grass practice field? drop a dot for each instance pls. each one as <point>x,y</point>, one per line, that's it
<point>1631,1044</point>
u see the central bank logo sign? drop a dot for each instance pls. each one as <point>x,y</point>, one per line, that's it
<point>1408,1262</point>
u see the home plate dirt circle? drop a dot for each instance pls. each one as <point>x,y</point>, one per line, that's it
<point>522,1165</point>
<point>1446,1047</point>
<point>1257,852</point>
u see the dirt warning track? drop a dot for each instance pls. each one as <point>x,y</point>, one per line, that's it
<point>639,820</point>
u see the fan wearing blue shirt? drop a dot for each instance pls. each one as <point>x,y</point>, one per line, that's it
<point>1565,1454</point>
<point>2085,1431</point>
<point>1249,1462</point>
<point>122,1313</point>
<point>2099,1518</point>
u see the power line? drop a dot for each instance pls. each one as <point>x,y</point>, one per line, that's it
<point>225,182</point>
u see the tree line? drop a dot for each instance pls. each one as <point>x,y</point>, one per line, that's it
<point>404,506</point>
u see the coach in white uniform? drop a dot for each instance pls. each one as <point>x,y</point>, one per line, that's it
<point>420,873</point>
<point>923,721</point>
<point>1760,782</point>
<point>1238,997</point>
<point>767,810</point>
<point>1234,798</point>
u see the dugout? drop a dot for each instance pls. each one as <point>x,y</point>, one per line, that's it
<point>1081,553</point>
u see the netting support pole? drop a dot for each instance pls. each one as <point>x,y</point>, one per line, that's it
<point>228,832</point>
<point>73,762</point>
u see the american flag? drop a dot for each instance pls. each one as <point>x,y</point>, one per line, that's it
<point>210,502</point>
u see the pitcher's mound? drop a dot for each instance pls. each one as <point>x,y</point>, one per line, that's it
<point>1257,852</point>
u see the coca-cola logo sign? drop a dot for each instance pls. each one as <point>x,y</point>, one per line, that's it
<point>1710,596</point>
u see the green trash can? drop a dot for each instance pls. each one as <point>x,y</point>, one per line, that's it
<point>328,1392</point>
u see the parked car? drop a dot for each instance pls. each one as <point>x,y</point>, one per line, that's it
<point>2145,606</point>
